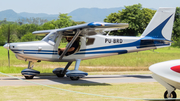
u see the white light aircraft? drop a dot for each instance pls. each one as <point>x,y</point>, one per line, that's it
<point>93,43</point>
<point>167,74</point>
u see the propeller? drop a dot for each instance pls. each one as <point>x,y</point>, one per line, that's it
<point>8,41</point>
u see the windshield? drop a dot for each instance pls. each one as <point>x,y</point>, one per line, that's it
<point>51,38</point>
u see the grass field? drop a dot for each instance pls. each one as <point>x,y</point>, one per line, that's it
<point>126,62</point>
<point>137,62</point>
<point>42,93</point>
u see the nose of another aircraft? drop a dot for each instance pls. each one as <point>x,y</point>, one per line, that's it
<point>6,46</point>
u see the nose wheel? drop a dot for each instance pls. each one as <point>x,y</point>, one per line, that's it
<point>172,95</point>
<point>29,77</point>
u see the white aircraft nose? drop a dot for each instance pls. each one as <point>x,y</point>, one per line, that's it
<point>6,46</point>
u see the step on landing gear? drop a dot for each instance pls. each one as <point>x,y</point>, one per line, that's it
<point>29,73</point>
<point>72,74</point>
<point>76,74</point>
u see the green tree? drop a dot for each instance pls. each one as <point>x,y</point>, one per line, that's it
<point>147,15</point>
<point>176,27</point>
<point>2,38</point>
<point>136,16</point>
<point>63,21</point>
<point>14,33</point>
<point>48,25</point>
<point>78,22</point>
<point>4,33</point>
<point>28,37</point>
<point>25,28</point>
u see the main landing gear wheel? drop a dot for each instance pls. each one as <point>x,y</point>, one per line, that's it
<point>59,74</point>
<point>173,94</point>
<point>74,78</point>
<point>29,77</point>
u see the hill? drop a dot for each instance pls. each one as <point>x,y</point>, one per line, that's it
<point>92,14</point>
<point>10,15</point>
<point>49,17</point>
<point>81,14</point>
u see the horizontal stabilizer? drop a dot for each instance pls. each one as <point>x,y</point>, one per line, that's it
<point>156,39</point>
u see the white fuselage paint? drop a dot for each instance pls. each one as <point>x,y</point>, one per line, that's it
<point>102,46</point>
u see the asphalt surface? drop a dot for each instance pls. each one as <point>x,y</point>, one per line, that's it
<point>50,80</point>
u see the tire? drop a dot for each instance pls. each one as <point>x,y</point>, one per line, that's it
<point>60,75</point>
<point>29,77</point>
<point>74,78</point>
<point>173,94</point>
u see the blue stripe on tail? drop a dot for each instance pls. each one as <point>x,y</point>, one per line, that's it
<point>157,32</point>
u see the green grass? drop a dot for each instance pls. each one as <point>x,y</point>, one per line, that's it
<point>41,93</point>
<point>126,62</point>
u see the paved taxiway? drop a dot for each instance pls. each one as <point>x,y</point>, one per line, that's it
<point>50,80</point>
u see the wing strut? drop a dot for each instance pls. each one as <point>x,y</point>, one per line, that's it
<point>70,43</point>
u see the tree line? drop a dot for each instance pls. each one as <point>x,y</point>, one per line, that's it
<point>137,17</point>
<point>21,30</point>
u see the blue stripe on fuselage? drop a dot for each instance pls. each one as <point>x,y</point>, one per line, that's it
<point>135,44</point>
<point>104,52</point>
<point>100,49</point>
<point>34,50</point>
<point>48,52</point>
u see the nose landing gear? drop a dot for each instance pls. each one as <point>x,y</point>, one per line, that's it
<point>29,73</point>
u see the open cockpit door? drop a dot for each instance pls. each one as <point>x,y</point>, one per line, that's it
<point>70,43</point>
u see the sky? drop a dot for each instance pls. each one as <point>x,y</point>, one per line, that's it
<point>66,6</point>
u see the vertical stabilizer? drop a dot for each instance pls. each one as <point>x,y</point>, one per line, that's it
<point>161,24</point>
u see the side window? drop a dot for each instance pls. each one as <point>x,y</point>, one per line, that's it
<point>90,41</point>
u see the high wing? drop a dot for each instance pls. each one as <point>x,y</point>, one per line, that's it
<point>88,29</point>
<point>91,27</point>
